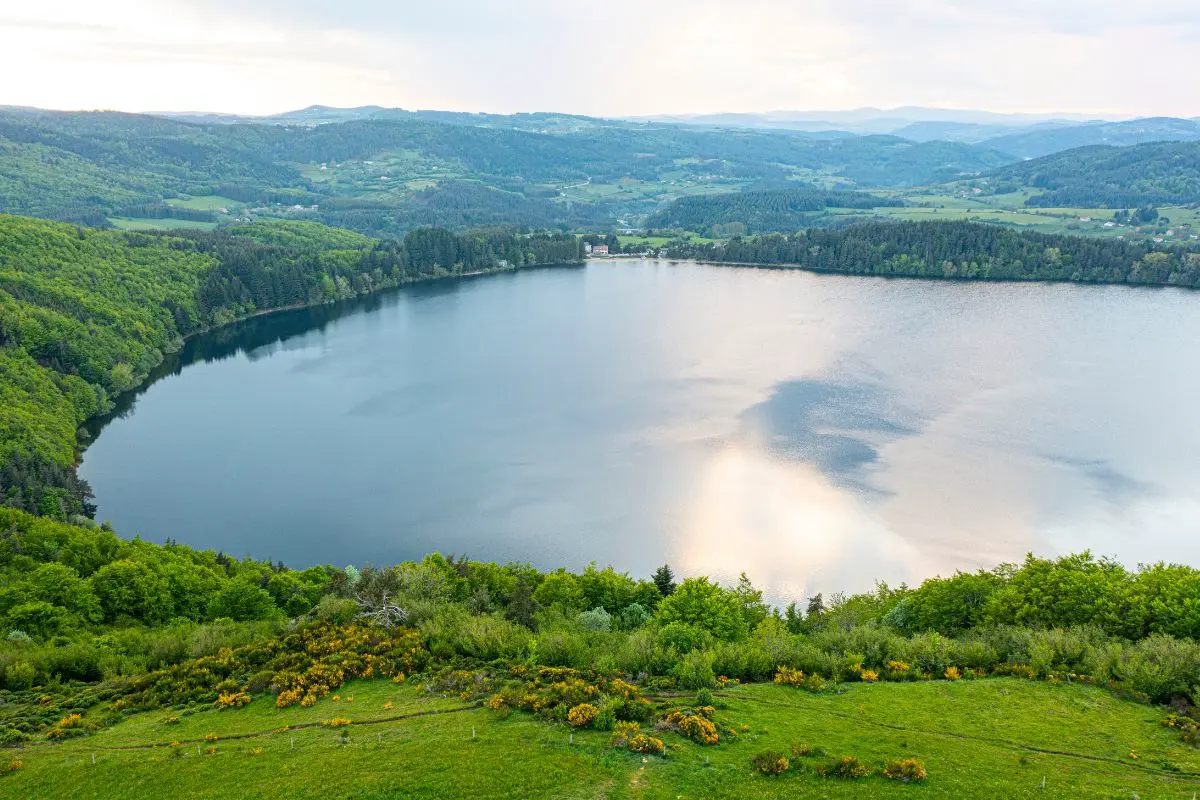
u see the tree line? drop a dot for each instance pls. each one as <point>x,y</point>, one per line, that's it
<point>770,210</point>
<point>72,597</point>
<point>958,250</point>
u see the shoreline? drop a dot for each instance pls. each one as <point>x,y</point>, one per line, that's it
<point>942,278</point>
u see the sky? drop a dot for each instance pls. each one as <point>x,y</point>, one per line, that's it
<point>603,57</point>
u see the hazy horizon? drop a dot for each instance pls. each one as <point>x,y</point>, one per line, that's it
<point>615,59</point>
<point>815,114</point>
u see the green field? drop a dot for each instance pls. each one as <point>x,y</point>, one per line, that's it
<point>659,241</point>
<point>167,224</point>
<point>208,202</point>
<point>986,738</point>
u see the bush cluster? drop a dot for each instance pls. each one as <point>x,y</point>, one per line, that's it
<point>696,724</point>
<point>628,736</point>
<point>908,770</point>
<point>771,763</point>
<point>582,698</point>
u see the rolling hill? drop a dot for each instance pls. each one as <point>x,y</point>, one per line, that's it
<point>1160,173</point>
<point>384,171</point>
<point>1053,139</point>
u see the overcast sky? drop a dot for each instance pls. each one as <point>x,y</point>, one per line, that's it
<point>607,57</point>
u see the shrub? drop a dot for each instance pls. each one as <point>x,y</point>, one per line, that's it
<point>69,726</point>
<point>1160,667</point>
<point>627,735</point>
<point>260,682</point>
<point>704,697</point>
<point>582,715</point>
<point>695,671</point>
<point>952,674</point>
<point>623,732</point>
<point>770,763</point>
<point>1189,729</point>
<point>845,767</point>
<point>14,766</point>
<point>868,675</point>
<point>10,736</point>
<point>232,700</point>
<point>19,675</point>
<point>596,620</point>
<point>606,719</point>
<point>806,750</point>
<point>634,616</point>
<point>908,770</point>
<point>693,725</point>
<point>336,610</point>
<point>337,722</point>
<point>641,743</point>
<point>789,677</point>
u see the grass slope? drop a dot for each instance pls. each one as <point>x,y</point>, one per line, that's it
<point>987,738</point>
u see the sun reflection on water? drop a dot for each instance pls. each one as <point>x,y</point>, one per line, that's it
<point>787,526</point>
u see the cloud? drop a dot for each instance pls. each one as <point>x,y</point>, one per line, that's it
<point>51,25</point>
<point>614,57</point>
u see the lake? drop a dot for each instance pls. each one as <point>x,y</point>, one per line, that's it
<point>818,432</point>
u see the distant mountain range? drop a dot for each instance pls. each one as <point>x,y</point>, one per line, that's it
<point>541,122</point>
<point>1044,141</point>
<point>877,120</point>
<point>1017,135</point>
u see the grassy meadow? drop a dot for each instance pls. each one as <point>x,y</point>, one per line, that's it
<point>208,202</point>
<point>996,737</point>
<point>165,224</point>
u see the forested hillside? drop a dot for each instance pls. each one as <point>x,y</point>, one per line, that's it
<point>87,314</point>
<point>1049,139</point>
<point>396,172</point>
<point>1163,173</point>
<point>778,210</point>
<point>959,250</point>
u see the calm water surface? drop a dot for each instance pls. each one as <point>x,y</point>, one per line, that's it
<point>818,432</point>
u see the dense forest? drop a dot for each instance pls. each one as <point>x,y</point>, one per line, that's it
<point>456,205</point>
<point>86,314</point>
<point>770,210</point>
<point>1161,173</point>
<point>958,250</point>
<point>166,625</point>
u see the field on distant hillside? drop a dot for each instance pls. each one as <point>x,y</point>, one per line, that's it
<point>165,224</point>
<point>208,202</point>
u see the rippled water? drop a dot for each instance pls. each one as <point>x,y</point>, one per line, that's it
<point>818,432</point>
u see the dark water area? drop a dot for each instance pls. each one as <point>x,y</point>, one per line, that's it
<point>817,432</point>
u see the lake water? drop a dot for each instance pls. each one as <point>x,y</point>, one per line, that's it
<point>818,432</point>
